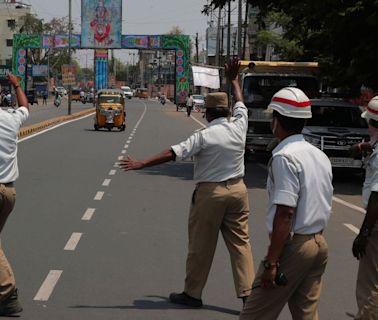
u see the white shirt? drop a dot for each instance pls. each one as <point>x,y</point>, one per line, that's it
<point>10,123</point>
<point>218,150</point>
<point>371,180</point>
<point>300,176</point>
<point>189,101</point>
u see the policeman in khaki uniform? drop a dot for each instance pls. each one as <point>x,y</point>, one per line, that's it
<point>365,246</point>
<point>300,196</point>
<point>220,199</point>
<point>10,122</point>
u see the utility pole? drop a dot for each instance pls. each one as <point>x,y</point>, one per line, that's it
<point>69,51</point>
<point>240,29</point>
<point>197,57</point>
<point>217,49</point>
<point>245,29</point>
<point>229,48</point>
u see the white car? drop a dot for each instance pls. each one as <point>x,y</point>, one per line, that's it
<point>198,102</point>
<point>127,91</point>
<point>61,90</point>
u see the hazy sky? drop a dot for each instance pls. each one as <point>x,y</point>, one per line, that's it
<point>139,16</point>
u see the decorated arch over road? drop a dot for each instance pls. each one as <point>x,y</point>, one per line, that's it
<point>178,43</point>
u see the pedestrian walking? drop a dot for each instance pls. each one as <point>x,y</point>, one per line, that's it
<point>189,104</point>
<point>44,97</point>
<point>220,199</point>
<point>365,246</point>
<point>300,196</point>
<point>10,123</point>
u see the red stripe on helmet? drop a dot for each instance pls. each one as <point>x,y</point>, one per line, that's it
<point>293,103</point>
<point>372,111</point>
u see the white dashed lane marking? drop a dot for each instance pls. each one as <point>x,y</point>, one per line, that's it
<point>88,214</point>
<point>73,241</point>
<point>123,151</point>
<point>112,172</point>
<point>349,205</point>
<point>48,285</point>
<point>120,158</point>
<point>99,195</point>
<point>126,146</point>
<point>106,182</point>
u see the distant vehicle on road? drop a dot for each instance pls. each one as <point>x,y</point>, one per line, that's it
<point>127,91</point>
<point>32,96</point>
<point>336,125</point>
<point>110,110</point>
<point>141,93</point>
<point>61,90</point>
<point>198,102</point>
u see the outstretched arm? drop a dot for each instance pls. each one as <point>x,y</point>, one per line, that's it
<point>133,164</point>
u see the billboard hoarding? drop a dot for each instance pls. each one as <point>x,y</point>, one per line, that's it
<point>69,75</point>
<point>40,70</point>
<point>101,24</point>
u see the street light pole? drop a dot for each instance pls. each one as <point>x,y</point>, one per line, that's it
<point>69,51</point>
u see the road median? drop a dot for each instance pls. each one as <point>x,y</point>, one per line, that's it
<point>26,131</point>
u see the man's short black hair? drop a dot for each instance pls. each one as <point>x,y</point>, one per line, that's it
<point>289,124</point>
<point>218,112</point>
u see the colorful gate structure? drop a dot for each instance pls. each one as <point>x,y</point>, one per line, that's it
<point>179,43</point>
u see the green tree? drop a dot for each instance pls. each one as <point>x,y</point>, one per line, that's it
<point>340,35</point>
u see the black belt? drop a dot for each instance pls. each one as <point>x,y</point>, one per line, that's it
<point>8,184</point>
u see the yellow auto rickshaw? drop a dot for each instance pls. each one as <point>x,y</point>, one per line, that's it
<point>142,93</point>
<point>110,110</point>
<point>75,94</point>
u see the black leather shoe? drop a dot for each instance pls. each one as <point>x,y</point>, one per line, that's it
<point>184,299</point>
<point>10,306</point>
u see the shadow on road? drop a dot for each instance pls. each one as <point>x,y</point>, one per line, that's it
<point>181,170</point>
<point>162,304</point>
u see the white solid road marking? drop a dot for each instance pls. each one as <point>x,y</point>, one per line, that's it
<point>112,172</point>
<point>88,214</point>
<point>349,205</point>
<point>106,182</point>
<point>99,195</point>
<point>48,285</point>
<point>201,124</point>
<point>352,228</point>
<point>54,127</point>
<point>73,241</point>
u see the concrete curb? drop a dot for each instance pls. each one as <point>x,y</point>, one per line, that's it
<point>52,122</point>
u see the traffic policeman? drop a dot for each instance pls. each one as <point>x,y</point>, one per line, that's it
<point>300,196</point>
<point>365,246</point>
<point>220,199</point>
<point>10,123</point>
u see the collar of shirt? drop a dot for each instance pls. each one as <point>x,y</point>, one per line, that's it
<point>286,141</point>
<point>219,121</point>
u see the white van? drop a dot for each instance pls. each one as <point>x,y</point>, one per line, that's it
<point>127,91</point>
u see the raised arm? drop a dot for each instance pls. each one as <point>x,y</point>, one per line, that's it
<point>232,72</point>
<point>133,164</point>
<point>21,97</point>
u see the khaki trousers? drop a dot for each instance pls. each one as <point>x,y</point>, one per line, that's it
<point>7,201</point>
<point>303,262</point>
<point>219,206</point>
<point>367,280</point>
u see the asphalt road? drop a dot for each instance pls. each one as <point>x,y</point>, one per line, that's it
<point>88,241</point>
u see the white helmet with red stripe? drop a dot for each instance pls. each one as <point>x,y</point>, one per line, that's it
<point>291,102</point>
<point>371,110</point>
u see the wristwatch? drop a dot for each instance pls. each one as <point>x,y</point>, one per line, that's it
<point>267,264</point>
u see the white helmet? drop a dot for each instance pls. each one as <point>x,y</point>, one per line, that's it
<point>371,110</point>
<point>291,102</point>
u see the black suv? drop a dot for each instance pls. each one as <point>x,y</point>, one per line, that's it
<point>335,126</point>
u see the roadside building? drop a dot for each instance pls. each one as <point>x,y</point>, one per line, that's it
<point>12,14</point>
